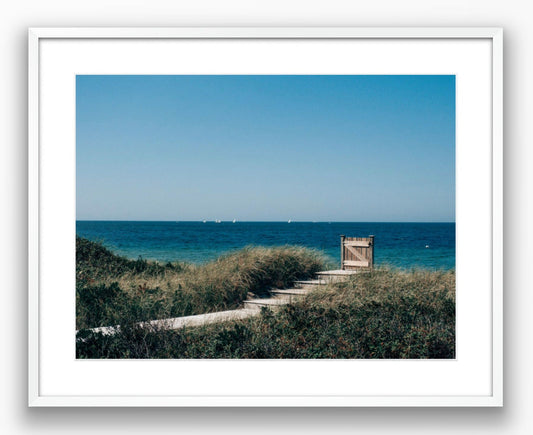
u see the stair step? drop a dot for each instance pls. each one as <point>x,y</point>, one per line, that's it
<point>269,303</point>
<point>290,291</point>
<point>337,273</point>
<point>309,284</point>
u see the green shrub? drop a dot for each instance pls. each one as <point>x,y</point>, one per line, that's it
<point>383,314</point>
<point>112,290</point>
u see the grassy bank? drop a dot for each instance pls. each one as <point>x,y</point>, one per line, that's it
<point>382,314</point>
<point>112,290</point>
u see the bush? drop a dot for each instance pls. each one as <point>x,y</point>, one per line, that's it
<point>383,314</point>
<point>112,290</point>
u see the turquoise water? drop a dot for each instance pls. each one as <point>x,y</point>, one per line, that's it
<point>406,245</point>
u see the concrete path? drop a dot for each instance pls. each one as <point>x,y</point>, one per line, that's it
<point>252,307</point>
<point>181,322</point>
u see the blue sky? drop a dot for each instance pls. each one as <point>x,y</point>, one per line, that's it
<point>266,148</point>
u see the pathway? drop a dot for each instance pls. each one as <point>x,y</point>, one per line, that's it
<point>252,307</point>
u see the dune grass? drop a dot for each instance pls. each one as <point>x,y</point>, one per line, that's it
<point>112,290</point>
<point>384,314</point>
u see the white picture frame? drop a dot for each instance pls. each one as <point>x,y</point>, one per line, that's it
<point>474,55</point>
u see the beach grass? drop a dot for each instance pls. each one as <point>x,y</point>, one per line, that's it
<point>383,314</point>
<point>112,290</point>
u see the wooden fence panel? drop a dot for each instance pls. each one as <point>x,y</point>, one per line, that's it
<point>357,252</point>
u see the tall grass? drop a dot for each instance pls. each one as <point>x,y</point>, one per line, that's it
<point>113,290</point>
<point>382,314</point>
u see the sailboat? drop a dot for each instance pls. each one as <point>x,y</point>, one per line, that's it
<point>289,221</point>
<point>234,221</point>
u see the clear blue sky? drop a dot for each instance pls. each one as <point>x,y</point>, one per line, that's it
<point>266,148</point>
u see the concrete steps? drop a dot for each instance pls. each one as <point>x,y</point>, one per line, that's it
<point>282,297</point>
<point>335,275</point>
<point>279,297</point>
<point>309,284</point>
<point>290,292</point>
<point>271,303</point>
<point>252,307</point>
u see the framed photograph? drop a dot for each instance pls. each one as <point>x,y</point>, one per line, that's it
<point>265,217</point>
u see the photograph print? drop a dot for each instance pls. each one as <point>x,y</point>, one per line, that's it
<point>265,217</point>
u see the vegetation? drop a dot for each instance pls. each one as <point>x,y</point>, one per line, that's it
<point>382,314</point>
<point>112,290</point>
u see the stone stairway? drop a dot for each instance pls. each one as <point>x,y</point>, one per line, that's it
<point>252,307</point>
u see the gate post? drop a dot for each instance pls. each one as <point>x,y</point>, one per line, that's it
<point>372,247</point>
<point>342,252</point>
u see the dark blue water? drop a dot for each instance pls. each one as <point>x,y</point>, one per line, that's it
<point>405,245</point>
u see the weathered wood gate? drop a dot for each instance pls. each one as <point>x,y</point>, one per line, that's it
<point>357,252</point>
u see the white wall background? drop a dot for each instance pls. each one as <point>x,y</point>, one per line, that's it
<point>513,15</point>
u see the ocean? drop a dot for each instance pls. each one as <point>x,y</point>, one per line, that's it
<point>404,245</point>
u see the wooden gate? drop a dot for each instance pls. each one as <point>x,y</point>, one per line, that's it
<point>357,252</point>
